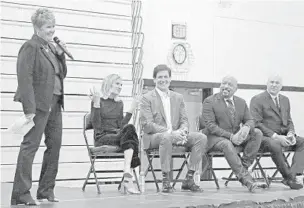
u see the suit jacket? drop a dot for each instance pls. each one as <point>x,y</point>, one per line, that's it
<point>36,75</point>
<point>152,114</point>
<point>218,121</point>
<point>268,118</point>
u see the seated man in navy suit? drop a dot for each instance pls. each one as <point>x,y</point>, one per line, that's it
<point>223,114</point>
<point>271,112</point>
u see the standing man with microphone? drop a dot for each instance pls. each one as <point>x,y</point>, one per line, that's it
<point>41,68</point>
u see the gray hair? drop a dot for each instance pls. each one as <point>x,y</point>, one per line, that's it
<point>232,78</point>
<point>42,16</point>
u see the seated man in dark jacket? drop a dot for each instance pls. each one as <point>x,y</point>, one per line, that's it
<point>271,112</point>
<point>223,114</point>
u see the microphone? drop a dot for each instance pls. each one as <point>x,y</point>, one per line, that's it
<point>65,50</point>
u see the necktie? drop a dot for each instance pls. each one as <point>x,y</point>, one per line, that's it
<point>231,108</point>
<point>277,103</point>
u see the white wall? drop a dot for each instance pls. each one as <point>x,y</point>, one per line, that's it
<point>248,39</point>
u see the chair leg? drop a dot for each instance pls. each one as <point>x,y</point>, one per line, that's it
<point>136,179</point>
<point>209,166</point>
<point>180,170</point>
<point>95,175</point>
<point>119,186</point>
<point>215,178</point>
<point>286,161</point>
<point>150,158</point>
<point>228,179</point>
<point>263,173</point>
<point>87,178</point>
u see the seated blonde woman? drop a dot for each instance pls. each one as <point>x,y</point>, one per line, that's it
<point>111,125</point>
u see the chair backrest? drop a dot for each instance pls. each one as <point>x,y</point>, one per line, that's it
<point>87,124</point>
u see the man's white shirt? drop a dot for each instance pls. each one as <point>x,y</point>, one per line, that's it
<point>165,98</point>
<point>273,99</point>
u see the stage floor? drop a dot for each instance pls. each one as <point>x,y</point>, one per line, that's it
<point>71,195</point>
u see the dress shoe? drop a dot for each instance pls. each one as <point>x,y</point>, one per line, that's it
<point>24,200</point>
<point>252,186</point>
<point>249,183</point>
<point>188,184</point>
<point>167,188</point>
<point>292,183</point>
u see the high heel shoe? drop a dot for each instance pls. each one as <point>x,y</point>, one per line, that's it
<point>128,188</point>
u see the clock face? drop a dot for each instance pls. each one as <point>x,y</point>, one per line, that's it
<point>179,54</point>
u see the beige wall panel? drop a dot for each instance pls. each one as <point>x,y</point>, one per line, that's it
<point>63,17</point>
<point>71,85</point>
<point>69,137</point>
<point>68,35</point>
<point>70,120</point>
<point>121,7</point>
<point>77,69</point>
<point>85,53</point>
<point>65,171</point>
<point>71,103</point>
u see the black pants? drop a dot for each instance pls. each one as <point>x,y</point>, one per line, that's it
<point>276,150</point>
<point>49,123</point>
<point>126,138</point>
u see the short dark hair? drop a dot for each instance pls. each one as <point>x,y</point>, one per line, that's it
<point>161,67</point>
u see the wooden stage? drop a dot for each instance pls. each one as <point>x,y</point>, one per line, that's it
<point>71,195</point>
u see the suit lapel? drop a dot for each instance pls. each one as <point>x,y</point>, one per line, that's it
<point>44,52</point>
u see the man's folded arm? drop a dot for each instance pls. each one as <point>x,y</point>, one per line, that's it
<point>248,119</point>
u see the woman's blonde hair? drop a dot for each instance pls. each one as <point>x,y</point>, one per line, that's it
<point>42,16</point>
<point>106,87</point>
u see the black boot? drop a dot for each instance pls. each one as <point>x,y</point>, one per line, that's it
<point>189,184</point>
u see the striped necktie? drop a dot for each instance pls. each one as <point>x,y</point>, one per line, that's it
<point>277,103</point>
<point>231,108</point>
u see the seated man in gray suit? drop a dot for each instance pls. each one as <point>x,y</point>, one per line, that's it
<point>165,123</point>
<point>271,112</point>
<point>223,114</point>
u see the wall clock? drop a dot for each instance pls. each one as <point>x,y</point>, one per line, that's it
<point>179,54</point>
